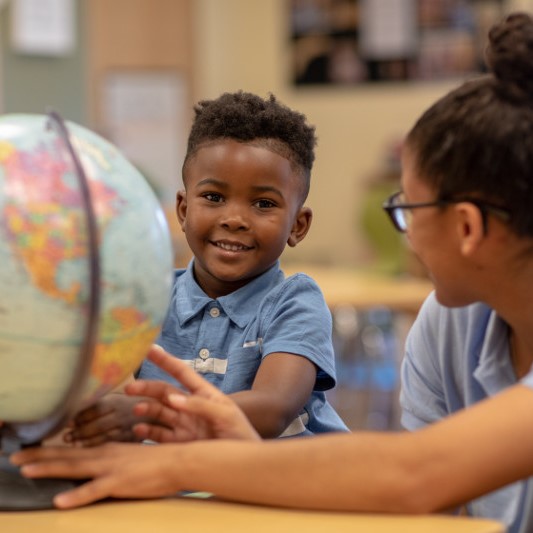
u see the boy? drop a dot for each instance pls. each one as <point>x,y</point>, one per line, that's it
<point>233,317</point>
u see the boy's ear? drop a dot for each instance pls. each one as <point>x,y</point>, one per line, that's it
<point>181,208</point>
<point>301,226</point>
<point>470,227</point>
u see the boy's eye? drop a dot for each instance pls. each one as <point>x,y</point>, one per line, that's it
<point>265,204</point>
<point>213,197</point>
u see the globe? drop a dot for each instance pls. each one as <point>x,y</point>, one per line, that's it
<point>85,272</point>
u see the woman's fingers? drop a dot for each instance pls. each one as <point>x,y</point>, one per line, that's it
<point>183,373</point>
<point>157,390</point>
<point>224,417</point>
<point>108,469</point>
<point>86,493</point>
<point>157,412</point>
<point>162,434</point>
<point>74,463</point>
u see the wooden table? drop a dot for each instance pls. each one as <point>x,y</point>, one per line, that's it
<point>186,515</point>
<point>364,290</point>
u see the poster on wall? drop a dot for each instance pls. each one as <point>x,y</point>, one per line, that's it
<point>145,116</point>
<point>43,27</point>
<point>349,42</point>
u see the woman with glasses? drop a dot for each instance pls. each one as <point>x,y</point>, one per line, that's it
<point>467,207</point>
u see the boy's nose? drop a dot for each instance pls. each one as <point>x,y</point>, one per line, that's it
<point>233,220</point>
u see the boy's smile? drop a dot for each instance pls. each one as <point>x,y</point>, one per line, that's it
<point>232,246</point>
<point>241,206</point>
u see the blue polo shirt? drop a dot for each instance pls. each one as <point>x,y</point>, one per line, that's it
<point>456,357</point>
<point>225,339</point>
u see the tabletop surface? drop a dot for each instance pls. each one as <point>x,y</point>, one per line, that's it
<point>188,515</point>
<point>344,286</point>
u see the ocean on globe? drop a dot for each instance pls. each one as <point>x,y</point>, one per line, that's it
<point>45,267</point>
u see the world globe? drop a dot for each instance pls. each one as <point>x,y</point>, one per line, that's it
<point>85,272</point>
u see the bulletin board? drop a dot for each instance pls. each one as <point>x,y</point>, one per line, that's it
<point>350,42</point>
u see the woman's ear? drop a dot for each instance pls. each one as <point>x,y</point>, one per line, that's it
<point>181,208</point>
<point>470,227</point>
<point>301,226</point>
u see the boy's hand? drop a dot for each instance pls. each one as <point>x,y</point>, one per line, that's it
<point>204,413</point>
<point>111,419</point>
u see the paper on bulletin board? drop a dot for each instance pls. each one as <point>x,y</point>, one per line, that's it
<point>388,28</point>
<point>43,27</point>
<point>145,116</point>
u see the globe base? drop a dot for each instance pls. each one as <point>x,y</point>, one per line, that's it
<point>18,493</point>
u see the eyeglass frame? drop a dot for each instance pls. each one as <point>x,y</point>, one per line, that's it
<point>484,207</point>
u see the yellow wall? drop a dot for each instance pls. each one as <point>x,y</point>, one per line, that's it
<point>244,44</point>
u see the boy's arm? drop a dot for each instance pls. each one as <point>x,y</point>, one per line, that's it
<point>282,386</point>
<point>297,349</point>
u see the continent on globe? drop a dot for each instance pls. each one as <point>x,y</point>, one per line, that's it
<point>45,226</point>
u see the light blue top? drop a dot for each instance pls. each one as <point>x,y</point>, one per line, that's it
<point>225,339</point>
<point>455,358</point>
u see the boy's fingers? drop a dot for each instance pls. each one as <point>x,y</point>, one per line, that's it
<point>113,435</point>
<point>89,431</point>
<point>92,413</point>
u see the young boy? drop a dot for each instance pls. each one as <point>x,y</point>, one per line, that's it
<point>233,316</point>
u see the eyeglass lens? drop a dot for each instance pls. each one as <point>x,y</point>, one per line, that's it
<point>402,217</point>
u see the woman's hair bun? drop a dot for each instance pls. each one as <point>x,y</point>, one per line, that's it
<point>510,55</point>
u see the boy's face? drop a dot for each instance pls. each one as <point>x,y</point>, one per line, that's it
<point>240,208</point>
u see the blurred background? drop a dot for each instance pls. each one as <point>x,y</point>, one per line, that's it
<point>361,70</point>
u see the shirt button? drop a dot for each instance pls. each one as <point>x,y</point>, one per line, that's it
<point>203,353</point>
<point>214,312</point>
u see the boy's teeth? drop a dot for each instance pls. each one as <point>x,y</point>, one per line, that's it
<point>230,247</point>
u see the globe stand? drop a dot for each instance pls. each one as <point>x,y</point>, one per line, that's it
<point>18,493</point>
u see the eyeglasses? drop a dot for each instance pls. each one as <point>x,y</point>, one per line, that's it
<point>401,216</point>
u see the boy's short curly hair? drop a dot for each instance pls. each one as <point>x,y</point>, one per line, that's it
<point>246,117</point>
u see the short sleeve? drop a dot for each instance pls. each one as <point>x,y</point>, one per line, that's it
<point>297,320</point>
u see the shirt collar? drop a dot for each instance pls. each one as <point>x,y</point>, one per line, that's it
<point>239,305</point>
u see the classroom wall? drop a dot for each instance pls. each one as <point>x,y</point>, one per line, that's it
<point>244,44</point>
<point>138,35</point>
<point>32,84</point>
<point>226,45</point>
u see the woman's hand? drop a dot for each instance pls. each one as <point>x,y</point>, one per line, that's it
<point>203,412</point>
<point>117,470</point>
